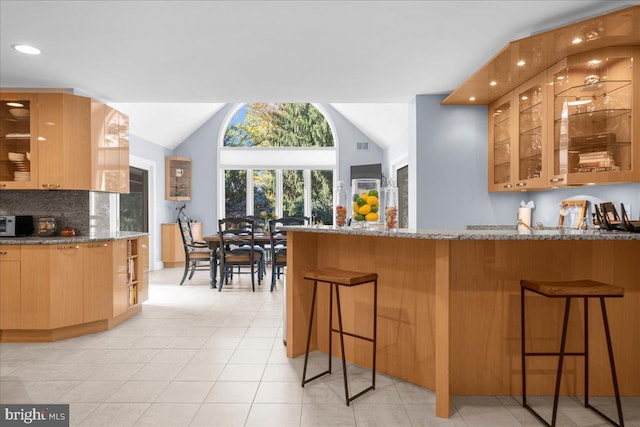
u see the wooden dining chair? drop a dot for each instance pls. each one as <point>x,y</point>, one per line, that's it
<point>238,249</point>
<point>197,255</point>
<point>278,243</point>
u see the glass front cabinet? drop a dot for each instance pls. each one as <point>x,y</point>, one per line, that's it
<point>177,178</point>
<point>517,138</point>
<point>573,124</point>
<point>501,140</point>
<point>595,140</point>
<point>18,141</point>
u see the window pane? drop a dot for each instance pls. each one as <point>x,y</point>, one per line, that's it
<point>264,193</point>
<point>292,193</point>
<point>278,125</point>
<point>322,197</point>
<point>235,192</point>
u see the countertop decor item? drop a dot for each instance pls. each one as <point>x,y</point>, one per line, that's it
<point>47,227</point>
<point>68,232</point>
<point>365,194</point>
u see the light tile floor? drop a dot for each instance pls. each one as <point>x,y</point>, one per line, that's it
<point>197,357</point>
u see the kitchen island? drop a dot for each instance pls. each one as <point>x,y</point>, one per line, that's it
<point>449,305</point>
<point>59,287</point>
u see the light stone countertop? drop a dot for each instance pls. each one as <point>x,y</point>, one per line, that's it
<point>475,234</point>
<point>58,240</point>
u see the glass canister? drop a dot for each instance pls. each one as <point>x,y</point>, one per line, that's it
<point>47,226</point>
<point>391,206</point>
<point>365,194</point>
<point>341,205</point>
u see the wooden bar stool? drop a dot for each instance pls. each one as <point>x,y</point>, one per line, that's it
<point>571,289</point>
<point>336,278</point>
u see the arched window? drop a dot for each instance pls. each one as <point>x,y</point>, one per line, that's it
<point>276,160</point>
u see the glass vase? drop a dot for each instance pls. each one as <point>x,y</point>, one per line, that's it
<point>365,195</point>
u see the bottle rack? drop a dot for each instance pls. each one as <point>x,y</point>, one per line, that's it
<point>132,271</point>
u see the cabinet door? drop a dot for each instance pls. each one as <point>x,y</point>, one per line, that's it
<point>123,153</point>
<point>120,286</point>
<point>143,269</point>
<point>66,284</point>
<point>98,155</point>
<point>64,138</point>
<point>98,279</point>
<point>18,136</point>
<point>112,156</point>
<point>501,144</point>
<point>594,137</point>
<point>35,290</point>
<point>10,287</point>
<point>532,142</point>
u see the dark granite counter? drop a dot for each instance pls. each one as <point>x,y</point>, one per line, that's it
<point>57,240</point>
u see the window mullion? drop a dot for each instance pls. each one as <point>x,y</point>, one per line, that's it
<point>250,207</point>
<point>307,193</point>
<point>279,194</point>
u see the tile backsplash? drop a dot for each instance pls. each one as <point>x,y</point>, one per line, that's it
<point>69,208</point>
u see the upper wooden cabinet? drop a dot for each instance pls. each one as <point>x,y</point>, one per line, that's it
<point>177,178</point>
<point>67,141</point>
<point>570,125</point>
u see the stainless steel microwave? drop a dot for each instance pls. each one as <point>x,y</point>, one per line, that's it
<point>16,225</point>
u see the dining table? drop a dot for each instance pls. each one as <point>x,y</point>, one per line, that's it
<point>213,241</point>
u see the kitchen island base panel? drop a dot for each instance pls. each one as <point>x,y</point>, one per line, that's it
<point>50,335</point>
<point>449,310</point>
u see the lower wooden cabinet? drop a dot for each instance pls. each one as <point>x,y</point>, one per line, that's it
<point>9,286</point>
<point>172,246</point>
<point>47,287</point>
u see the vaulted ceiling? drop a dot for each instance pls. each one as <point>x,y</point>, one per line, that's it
<point>172,64</point>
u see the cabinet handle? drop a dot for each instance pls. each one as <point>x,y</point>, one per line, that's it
<point>69,247</point>
<point>51,185</point>
<point>556,180</point>
<point>104,245</point>
<point>3,185</point>
<point>3,252</point>
<point>507,186</point>
<point>521,184</point>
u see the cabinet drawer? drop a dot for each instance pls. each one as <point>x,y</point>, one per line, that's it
<point>9,253</point>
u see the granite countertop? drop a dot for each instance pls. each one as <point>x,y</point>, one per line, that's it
<point>57,240</point>
<point>474,234</point>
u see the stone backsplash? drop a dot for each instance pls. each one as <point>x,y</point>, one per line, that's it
<point>84,211</point>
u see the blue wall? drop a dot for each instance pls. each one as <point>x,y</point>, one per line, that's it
<point>451,174</point>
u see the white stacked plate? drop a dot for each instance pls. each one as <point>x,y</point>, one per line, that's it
<point>17,157</point>
<point>22,176</point>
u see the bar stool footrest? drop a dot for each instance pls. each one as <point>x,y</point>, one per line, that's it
<point>321,374</point>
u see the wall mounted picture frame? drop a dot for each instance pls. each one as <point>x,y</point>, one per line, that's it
<point>572,213</point>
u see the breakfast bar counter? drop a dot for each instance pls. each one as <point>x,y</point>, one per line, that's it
<point>449,305</point>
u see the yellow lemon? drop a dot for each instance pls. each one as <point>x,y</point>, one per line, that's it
<point>371,216</point>
<point>372,200</point>
<point>365,209</point>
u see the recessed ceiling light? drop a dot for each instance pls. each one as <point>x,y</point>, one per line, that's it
<point>595,62</point>
<point>524,97</point>
<point>472,98</point>
<point>26,49</point>
<point>521,63</point>
<point>493,83</point>
<point>14,104</point>
<point>577,40</point>
<point>560,77</point>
